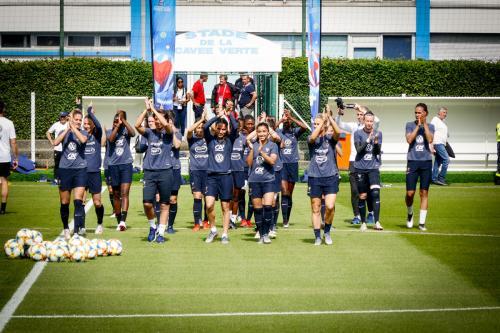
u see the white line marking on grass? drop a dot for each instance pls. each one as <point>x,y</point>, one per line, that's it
<point>420,233</point>
<point>254,314</point>
<point>21,292</point>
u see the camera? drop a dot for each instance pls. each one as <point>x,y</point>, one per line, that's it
<point>341,105</point>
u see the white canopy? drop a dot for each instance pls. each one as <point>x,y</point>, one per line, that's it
<point>225,50</point>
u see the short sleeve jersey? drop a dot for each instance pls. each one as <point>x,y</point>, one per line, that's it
<point>174,153</point>
<point>157,156</point>
<point>119,150</point>
<point>73,153</point>
<point>93,147</point>
<point>290,150</point>
<point>261,171</point>
<point>7,132</point>
<point>366,159</point>
<point>237,160</point>
<point>323,161</point>
<point>419,149</point>
<point>198,153</point>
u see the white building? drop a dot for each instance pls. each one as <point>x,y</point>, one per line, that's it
<point>119,29</point>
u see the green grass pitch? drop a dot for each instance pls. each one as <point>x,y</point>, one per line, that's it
<point>455,265</point>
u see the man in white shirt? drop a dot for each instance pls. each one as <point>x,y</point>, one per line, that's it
<point>57,128</point>
<point>441,159</point>
<point>352,127</point>
<point>8,154</point>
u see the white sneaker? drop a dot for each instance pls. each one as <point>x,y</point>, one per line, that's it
<point>328,239</point>
<point>378,226</point>
<point>67,234</point>
<point>122,226</point>
<point>272,234</point>
<point>422,227</point>
<point>363,227</point>
<point>317,242</point>
<point>82,232</point>
<point>98,230</point>
<point>112,216</point>
<point>257,235</point>
<point>409,222</point>
<point>266,239</point>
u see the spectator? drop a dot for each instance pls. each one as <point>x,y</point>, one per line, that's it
<point>198,96</point>
<point>181,99</point>
<point>8,154</point>
<point>57,128</point>
<point>247,98</point>
<point>222,92</point>
<point>441,159</point>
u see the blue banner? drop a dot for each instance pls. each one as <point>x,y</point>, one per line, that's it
<point>163,48</point>
<point>314,53</point>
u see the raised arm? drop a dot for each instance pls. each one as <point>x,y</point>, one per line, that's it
<point>98,126</point>
<point>317,130</point>
<point>176,141</point>
<point>268,158</point>
<point>250,151</point>
<point>61,136</point>
<point>234,127</point>
<point>336,128</point>
<point>206,127</point>
<point>410,136</point>
<point>76,131</point>
<point>130,129</point>
<point>191,129</point>
<point>140,120</point>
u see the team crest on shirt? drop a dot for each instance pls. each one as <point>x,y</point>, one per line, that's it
<point>72,146</point>
<point>219,158</point>
<point>259,160</point>
<point>288,142</point>
<point>369,147</point>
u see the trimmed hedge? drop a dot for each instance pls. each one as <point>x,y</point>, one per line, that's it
<point>58,82</point>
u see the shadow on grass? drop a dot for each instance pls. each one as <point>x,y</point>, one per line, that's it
<point>475,258</point>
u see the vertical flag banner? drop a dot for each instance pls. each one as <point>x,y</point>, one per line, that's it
<point>163,51</point>
<point>314,53</point>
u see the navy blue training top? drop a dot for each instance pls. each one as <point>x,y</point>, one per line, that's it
<point>419,149</point>
<point>323,161</point>
<point>198,153</point>
<point>119,150</point>
<point>157,156</point>
<point>93,146</point>
<point>219,156</point>
<point>261,171</point>
<point>73,153</point>
<point>237,159</point>
<point>290,151</point>
<point>369,157</point>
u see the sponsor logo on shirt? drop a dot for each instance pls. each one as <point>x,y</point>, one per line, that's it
<point>235,156</point>
<point>201,149</point>
<point>259,170</point>
<point>155,151</point>
<point>219,147</point>
<point>419,146</point>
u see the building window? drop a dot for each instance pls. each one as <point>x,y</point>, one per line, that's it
<point>81,40</point>
<point>397,47</point>
<point>113,41</point>
<point>334,46</point>
<point>16,40</point>
<point>365,53</point>
<point>47,40</point>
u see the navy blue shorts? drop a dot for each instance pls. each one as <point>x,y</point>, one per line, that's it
<point>219,186</point>
<point>290,172</point>
<point>238,179</point>
<point>107,178</point>
<point>257,190</point>
<point>416,170</point>
<point>157,181</point>
<point>177,180</point>
<point>277,180</point>
<point>94,182</point>
<point>367,178</point>
<point>198,180</point>
<point>120,174</point>
<point>72,178</point>
<point>319,186</point>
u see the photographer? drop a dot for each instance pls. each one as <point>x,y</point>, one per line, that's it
<point>352,127</point>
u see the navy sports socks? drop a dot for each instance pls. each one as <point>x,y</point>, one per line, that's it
<point>123,216</point>
<point>172,213</point>
<point>290,204</point>
<point>369,201</point>
<point>241,205</point>
<point>328,227</point>
<point>64,211</point>
<point>250,210</point>
<point>111,199</point>
<point>276,211</point>
<point>258,219</point>
<point>362,209</point>
<point>99,211</point>
<point>375,195</point>
<point>205,215</point>
<point>197,207</point>
<point>317,233</point>
<point>267,220</point>
<point>4,205</point>
<point>79,215</point>
<point>284,207</point>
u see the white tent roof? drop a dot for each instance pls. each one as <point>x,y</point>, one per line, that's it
<point>225,50</point>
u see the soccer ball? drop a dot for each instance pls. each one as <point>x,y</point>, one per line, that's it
<point>48,245</point>
<point>23,237</point>
<point>114,247</point>
<point>101,247</point>
<point>13,249</point>
<point>56,253</point>
<point>36,237</point>
<point>37,252</point>
<point>76,241</point>
<point>77,253</point>
<point>91,249</point>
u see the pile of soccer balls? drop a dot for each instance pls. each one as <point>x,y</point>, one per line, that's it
<point>30,244</point>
